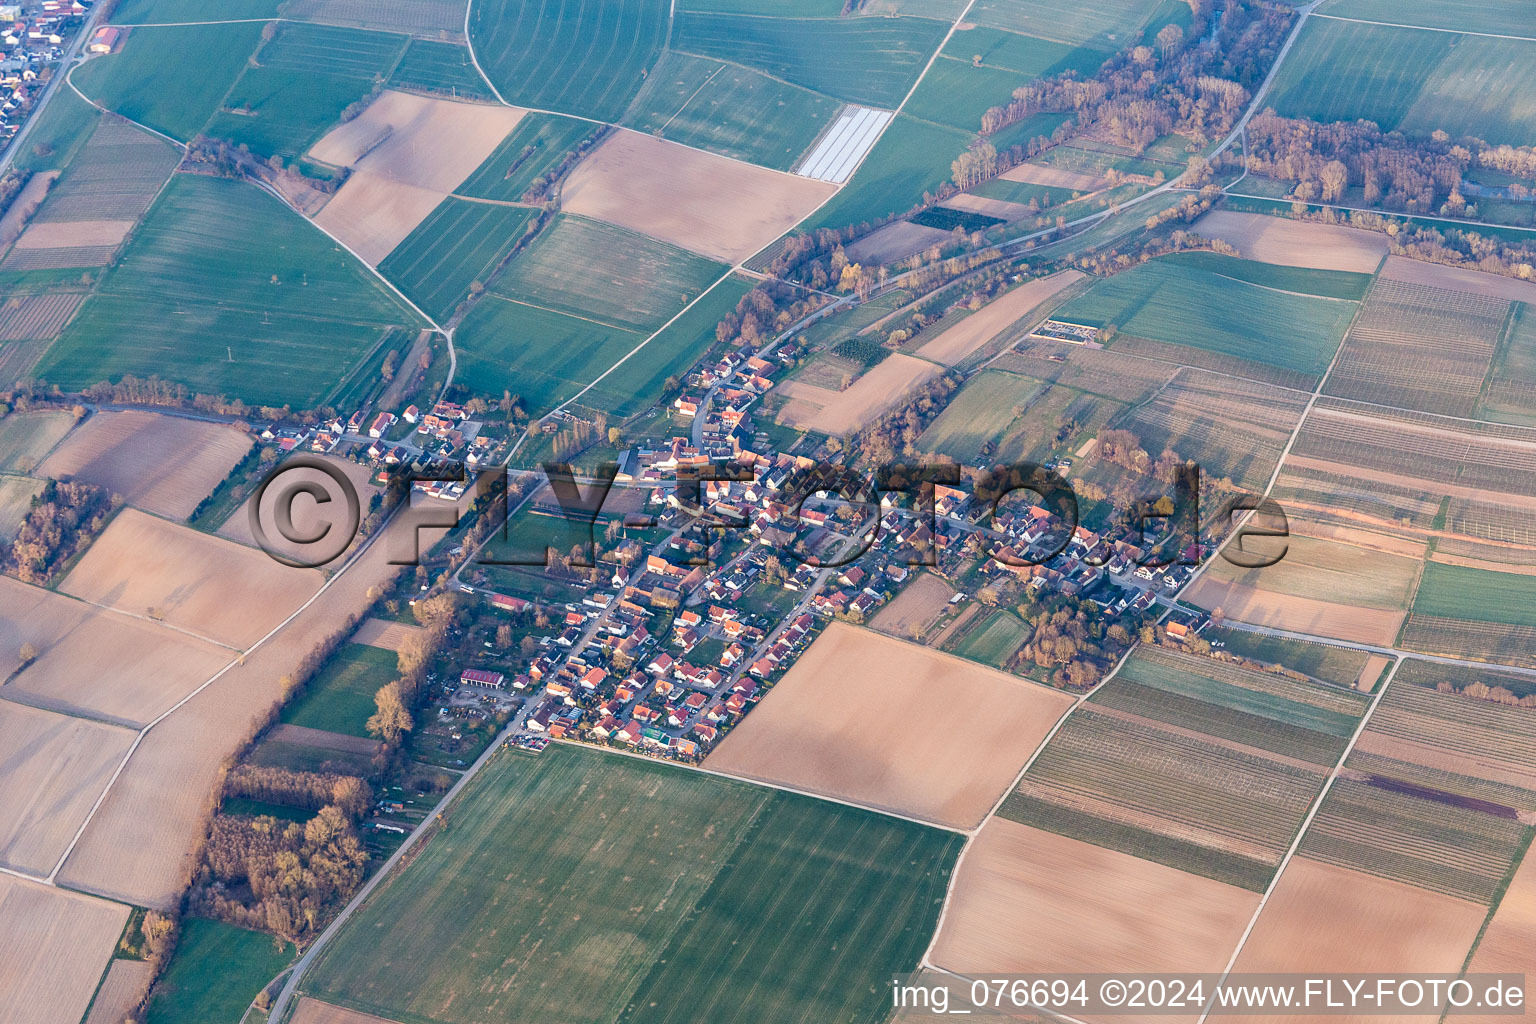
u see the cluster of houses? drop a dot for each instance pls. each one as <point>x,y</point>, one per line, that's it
<point>34,36</point>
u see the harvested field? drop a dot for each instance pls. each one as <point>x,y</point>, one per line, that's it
<point>1326,918</point>
<point>843,412</point>
<point>140,844</point>
<point>73,234</point>
<point>97,663</point>
<point>1002,209</point>
<point>420,17</point>
<point>1297,614</point>
<point>37,317</point>
<point>313,1011</point>
<point>1510,936</point>
<point>52,769</point>
<point>207,585</point>
<point>721,208</point>
<point>895,241</point>
<point>918,604</point>
<point>407,153</point>
<point>54,945</point>
<point>385,634</point>
<point>951,772</point>
<point>1035,174</point>
<point>1328,570</point>
<point>308,516</point>
<point>161,464</point>
<point>127,981</point>
<point>970,334</point>
<point>1031,901</point>
<point>1293,243</point>
<point>1436,275</point>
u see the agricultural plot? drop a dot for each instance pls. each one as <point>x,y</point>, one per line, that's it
<point>1231,428</point>
<point>640,381</point>
<point>1457,279</point>
<point>209,586</point>
<point>38,316</point>
<point>299,84</point>
<point>815,731</point>
<point>911,157</point>
<point>895,241</point>
<point>418,17</point>
<point>1511,391</point>
<point>606,274</point>
<point>724,209</point>
<point>95,663</point>
<point>730,110</point>
<point>996,317</point>
<point>55,767</point>
<point>1106,26</point>
<point>113,178</point>
<point>26,437</point>
<point>1341,666</point>
<point>1294,243</point>
<point>439,69</point>
<point>1191,307</point>
<point>566,56</point>
<point>992,641</point>
<point>340,698</point>
<point>162,464</point>
<point>454,251</point>
<point>842,412</point>
<point>1509,936</point>
<point>872,61</point>
<point>535,149</point>
<point>16,494</point>
<point>119,995</point>
<point>219,265</point>
<point>407,153</point>
<point>1317,616</point>
<point>150,80</point>
<point>980,415</point>
<point>1505,17</point>
<point>958,90</point>
<point>133,12</point>
<point>1116,375</point>
<point>844,144</point>
<point>55,945</point>
<point>1476,613</point>
<point>526,877</point>
<point>1397,351</point>
<point>1029,901</point>
<point>912,611</point>
<point>216,972</point>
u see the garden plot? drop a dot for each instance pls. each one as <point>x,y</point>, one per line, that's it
<point>162,464</point>
<point>839,724</point>
<point>915,608</point>
<point>54,946</point>
<point>407,153</point>
<point>709,204</point>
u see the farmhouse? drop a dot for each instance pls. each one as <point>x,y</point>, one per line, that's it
<point>481,677</point>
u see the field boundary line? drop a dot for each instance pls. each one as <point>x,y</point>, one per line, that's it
<point>925,961</point>
<point>1428,28</point>
<point>573,316</point>
<point>1317,805</point>
<point>1391,652</point>
<point>69,80</point>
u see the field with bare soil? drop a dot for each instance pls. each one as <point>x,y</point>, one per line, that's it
<point>25,438</point>
<point>161,464</point>
<point>51,768</point>
<point>1034,174</point>
<point>1507,943</point>
<point>313,1011</point>
<point>1030,901</point>
<point>980,327</point>
<point>95,662</point>
<point>206,585</point>
<point>1300,614</point>
<point>126,983</point>
<point>712,205</point>
<point>384,633</point>
<point>1319,569</point>
<point>842,412</point>
<point>918,604</point>
<point>308,516</point>
<point>1326,918</point>
<point>54,945</point>
<point>1293,243</point>
<point>1435,275</point>
<point>407,152</point>
<point>887,724</point>
<point>893,242</point>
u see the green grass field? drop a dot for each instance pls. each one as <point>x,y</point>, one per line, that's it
<point>443,69</point>
<point>731,110</point>
<point>1110,25</point>
<point>1183,304</point>
<point>58,132</point>
<point>302,80</point>
<point>1329,284</point>
<point>641,380</point>
<point>217,266</point>
<point>781,8</point>
<point>956,92</point>
<point>607,274</point>
<point>979,414</point>
<point>458,245</point>
<point>26,437</point>
<point>131,12</point>
<point>536,146</point>
<point>1340,665</point>
<point>567,56</point>
<point>1501,17</point>
<point>586,887</point>
<point>993,641</point>
<point>1484,87</point>
<point>340,698</point>
<point>541,355</point>
<point>151,80</point>
<point>911,158</point>
<point>1477,595</point>
<point>215,973</point>
<point>873,61</point>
